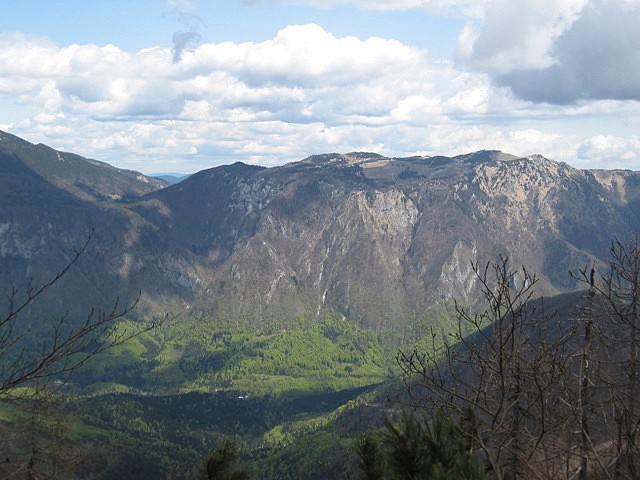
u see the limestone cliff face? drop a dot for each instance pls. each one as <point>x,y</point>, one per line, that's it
<point>318,245</point>
<point>524,191</point>
<point>379,239</point>
<point>552,217</point>
<point>458,280</point>
<point>383,239</point>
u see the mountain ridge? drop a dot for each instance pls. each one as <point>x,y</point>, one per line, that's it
<point>378,239</point>
<point>87,179</point>
<point>286,286</point>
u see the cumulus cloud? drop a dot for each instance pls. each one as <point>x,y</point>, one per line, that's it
<point>610,151</point>
<point>518,34</point>
<point>303,69</point>
<point>304,79</point>
<point>559,52</point>
<point>303,91</point>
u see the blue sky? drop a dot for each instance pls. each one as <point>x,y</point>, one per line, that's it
<point>182,85</point>
<point>141,24</point>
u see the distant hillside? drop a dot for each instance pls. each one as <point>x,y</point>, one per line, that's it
<point>50,203</point>
<point>85,178</point>
<point>382,239</point>
<point>171,178</point>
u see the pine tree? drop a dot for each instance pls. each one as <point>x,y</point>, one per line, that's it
<point>222,463</point>
<point>412,449</point>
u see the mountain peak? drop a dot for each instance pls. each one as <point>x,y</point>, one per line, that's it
<point>484,156</point>
<point>85,178</point>
<point>341,158</point>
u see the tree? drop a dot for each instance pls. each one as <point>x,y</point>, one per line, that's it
<point>412,449</point>
<point>585,400</point>
<point>37,444</point>
<point>370,457</point>
<point>503,366</point>
<point>613,320</point>
<point>621,292</point>
<point>68,345</point>
<point>42,365</point>
<point>222,463</point>
<point>552,397</point>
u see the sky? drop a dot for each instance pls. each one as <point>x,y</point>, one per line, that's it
<point>182,85</point>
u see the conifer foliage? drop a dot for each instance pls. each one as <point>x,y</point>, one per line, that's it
<point>223,463</point>
<point>412,449</point>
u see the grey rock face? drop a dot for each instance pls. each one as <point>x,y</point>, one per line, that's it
<point>378,239</point>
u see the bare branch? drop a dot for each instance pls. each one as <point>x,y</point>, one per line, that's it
<point>69,347</point>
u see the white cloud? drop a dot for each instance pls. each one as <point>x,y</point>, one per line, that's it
<point>609,151</point>
<point>518,34</point>
<point>304,91</point>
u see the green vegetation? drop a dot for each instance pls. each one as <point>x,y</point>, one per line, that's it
<point>330,355</point>
<point>222,463</point>
<point>173,433</point>
<point>156,404</point>
<point>321,455</point>
<point>415,449</point>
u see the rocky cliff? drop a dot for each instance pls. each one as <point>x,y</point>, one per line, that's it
<point>383,239</point>
<point>379,239</point>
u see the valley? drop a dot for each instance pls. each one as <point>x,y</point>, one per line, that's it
<point>282,295</point>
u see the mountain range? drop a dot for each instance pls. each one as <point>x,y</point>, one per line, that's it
<point>378,239</point>
<point>288,289</point>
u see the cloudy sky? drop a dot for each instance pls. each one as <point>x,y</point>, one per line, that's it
<point>182,85</point>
